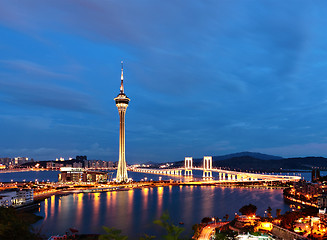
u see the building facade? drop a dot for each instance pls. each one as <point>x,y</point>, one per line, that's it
<point>75,175</point>
<point>16,198</point>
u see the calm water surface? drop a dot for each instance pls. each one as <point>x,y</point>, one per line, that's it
<point>52,176</point>
<point>134,211</point>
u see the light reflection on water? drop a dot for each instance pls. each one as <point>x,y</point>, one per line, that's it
<point>160,192</point>
<point>96,209</point>
<point>52,205</point>
<point>79,208</point>
<point>134,211</point>
<point>52,176</point>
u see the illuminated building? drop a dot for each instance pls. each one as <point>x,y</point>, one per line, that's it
<point>122,102</point>
<point>69,174</point>
<point>248,236</point>
<point>315,174</point>
<point>16,198</point>
<point>266,226</point>
<point>322,200</point>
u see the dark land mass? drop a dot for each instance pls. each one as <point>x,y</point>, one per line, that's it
<point>261,162</point>
<point>255,155</point>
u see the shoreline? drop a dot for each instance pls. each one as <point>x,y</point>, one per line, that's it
<point>113,169</point>
<point>113,188</point>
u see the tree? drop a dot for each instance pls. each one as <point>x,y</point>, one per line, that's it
<point>289,217</point>
<point>226,217</point>
<point>17,226</point>
<point>173,231</point>
<point>206,220</point>
<point>197,228</point>
<point>269,211</point>
<point>248,210</point>
<point>112,234</point>
<point>278,211</point>
<point>147,237</point>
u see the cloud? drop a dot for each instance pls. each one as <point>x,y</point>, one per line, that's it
<point>47,95</point>
<point>93,151</point>
<point>32,68</point>
<point>29,121</point>
<point>172,39</point>
<point>198,74</point>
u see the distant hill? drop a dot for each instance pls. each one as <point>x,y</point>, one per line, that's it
<point>263,162</point>
<point>248,154</point>
<point>255,155</point>
<point>250,163</point>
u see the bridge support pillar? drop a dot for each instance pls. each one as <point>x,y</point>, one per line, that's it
<point>207,174</point>
<point>188,166</point>
<point>207,166</point>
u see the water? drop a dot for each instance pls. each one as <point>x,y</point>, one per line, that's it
<point>135,210</point>
<point>52,176</point>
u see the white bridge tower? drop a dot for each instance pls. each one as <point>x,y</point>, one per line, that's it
<point>207,167</point>
<point>188,166</point>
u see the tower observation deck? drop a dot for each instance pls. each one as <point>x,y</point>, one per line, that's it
<point>122,102</point>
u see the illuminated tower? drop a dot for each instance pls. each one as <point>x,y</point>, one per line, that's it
<point>122,102</point>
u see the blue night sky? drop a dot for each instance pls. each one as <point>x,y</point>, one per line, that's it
<point>204,78</point>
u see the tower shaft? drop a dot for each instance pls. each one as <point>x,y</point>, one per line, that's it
<point>122,168</point>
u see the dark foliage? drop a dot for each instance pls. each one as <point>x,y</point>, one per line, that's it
<point>248,210</point>
<point>17,226</point>
<point>206,220</point>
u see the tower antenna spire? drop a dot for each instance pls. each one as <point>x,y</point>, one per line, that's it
<point>122,78</point>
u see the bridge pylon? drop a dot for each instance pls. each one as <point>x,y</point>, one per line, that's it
<point>188,166</point>
<point>207,167</point>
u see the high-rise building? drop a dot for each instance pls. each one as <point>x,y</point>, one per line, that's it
<point>315,174</point>
<point>122,102</point>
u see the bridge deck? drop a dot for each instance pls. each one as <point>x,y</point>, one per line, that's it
<point>236,175</point>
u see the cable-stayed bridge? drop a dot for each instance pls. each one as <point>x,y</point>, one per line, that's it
<point>222,176</point>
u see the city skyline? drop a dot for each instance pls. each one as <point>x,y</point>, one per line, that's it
<point>206,78</point>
